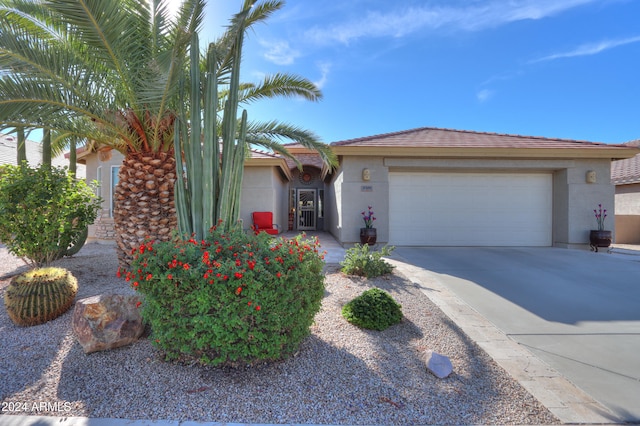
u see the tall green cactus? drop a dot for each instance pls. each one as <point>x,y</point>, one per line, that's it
<point>210,190</point>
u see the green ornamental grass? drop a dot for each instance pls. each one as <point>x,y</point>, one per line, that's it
<point>361,260</point>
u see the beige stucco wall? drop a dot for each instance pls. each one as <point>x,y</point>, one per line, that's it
<point>582,198</point>
<point>573,198</point>
<point>628,199</point>
<point>281,212</point>
<point>333,202</point>
<point>628,214</point>
<point>102,231</point>
<point>264,189</point>
<point>354,195</point>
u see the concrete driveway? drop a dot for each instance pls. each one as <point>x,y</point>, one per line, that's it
<point>577,311</point>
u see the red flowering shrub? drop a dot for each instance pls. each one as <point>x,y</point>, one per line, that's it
<point>232,298</point>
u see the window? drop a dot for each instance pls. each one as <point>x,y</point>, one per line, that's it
<point>321,203</point>
<point>292,200</point>
<point>114,182</point>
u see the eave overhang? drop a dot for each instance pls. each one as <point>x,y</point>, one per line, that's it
<point>270,162</point>
<point>613,152</point>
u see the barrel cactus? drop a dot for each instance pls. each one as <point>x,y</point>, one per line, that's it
<point>40,295</point>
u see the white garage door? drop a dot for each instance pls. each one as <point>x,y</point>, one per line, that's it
<point>470,209</point>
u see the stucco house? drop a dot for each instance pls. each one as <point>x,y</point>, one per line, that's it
<point>625,175</point>
<point>427,187</point>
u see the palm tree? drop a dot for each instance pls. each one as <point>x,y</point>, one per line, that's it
<point>107,71</point>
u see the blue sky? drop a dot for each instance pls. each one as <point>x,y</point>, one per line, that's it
<point>553,68</point>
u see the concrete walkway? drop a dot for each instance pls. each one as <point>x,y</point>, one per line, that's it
<point>565,323</point>
<point>334,251</point>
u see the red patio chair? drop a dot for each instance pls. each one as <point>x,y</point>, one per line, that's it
<point>263,222</point>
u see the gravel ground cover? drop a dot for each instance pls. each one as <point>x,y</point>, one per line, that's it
<point>341,375</point>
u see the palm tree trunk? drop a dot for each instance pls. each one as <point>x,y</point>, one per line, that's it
<point>46,148</point>
<point>22,146</point>
<point>143,201</point>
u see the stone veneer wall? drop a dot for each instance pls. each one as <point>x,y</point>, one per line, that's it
<point>103,230</point>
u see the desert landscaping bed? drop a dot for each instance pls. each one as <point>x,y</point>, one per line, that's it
<point>341,375</point>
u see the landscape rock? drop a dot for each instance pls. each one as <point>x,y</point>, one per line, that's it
<point>439,365</point>
<point>107,321</point>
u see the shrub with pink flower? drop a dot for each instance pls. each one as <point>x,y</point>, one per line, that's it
<point>600,214</point>
<point>368,218</point>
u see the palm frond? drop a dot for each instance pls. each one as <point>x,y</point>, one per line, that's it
<point>271,134</point>
<point>250,14</point>
<point>70,65</point>
<point>281,85</point>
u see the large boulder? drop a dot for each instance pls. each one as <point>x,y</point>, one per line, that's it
<point>107,321</point>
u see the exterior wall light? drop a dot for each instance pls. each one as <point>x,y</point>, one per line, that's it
<point>591,176</point>
<point>366,175</point>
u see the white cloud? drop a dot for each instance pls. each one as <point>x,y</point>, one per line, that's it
<point>590,49</point>
<point>324,69</point>
<point>484,95</point>
<point>258,75</point>
<point>280,53</point>
<point>479,16</point>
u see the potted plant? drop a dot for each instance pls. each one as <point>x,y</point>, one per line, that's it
<point>599,237</point>
<point>368,234</point>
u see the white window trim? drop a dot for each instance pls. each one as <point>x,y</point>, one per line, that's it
<point>111,189</point>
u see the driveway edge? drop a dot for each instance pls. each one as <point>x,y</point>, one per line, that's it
<point>561,397</point>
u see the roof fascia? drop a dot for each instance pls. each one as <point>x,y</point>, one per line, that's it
<point>270,162</point>
<point>614,152</point>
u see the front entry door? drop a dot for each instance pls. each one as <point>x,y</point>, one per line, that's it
<point>306,202</point>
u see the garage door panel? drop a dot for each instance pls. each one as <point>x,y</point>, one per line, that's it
<point>470,209</point>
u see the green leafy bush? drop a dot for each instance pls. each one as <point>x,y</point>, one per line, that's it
<point>43,212</point>
<point>233,298</point>
<point>374,309</point>
<point>360,260</point>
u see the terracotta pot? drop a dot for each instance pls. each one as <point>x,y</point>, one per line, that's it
<point>368,236</point>
<point>599,239</point>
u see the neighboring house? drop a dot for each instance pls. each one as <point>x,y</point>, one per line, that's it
<point>427,187</point>
<point>9,153</point>
<point>625,175</point>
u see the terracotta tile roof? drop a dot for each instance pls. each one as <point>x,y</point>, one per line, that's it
<point>429,137</point>
<point>305,158</point>
<point>627,171</point>
<point>293,145</point>
<point>256,153</point>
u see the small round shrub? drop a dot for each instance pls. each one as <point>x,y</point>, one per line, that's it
<point>374,309</point>
<point>233,299</point>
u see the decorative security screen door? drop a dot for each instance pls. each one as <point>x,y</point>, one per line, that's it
<point>306,202</point>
